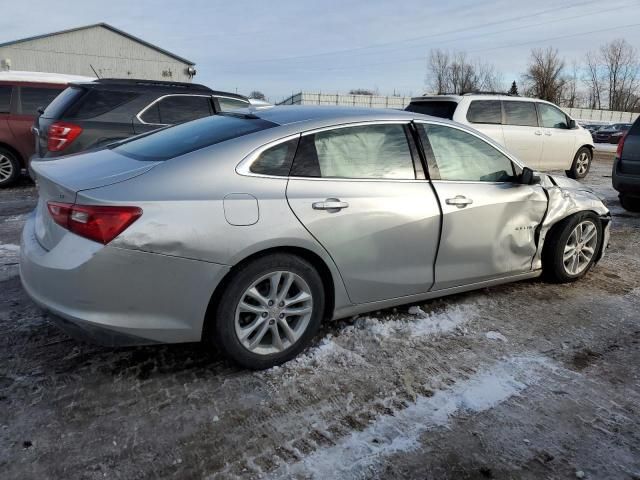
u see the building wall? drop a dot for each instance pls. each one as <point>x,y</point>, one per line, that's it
<point>111,54</point>
<point>376,101</point>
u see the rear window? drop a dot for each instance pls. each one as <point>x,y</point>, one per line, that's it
<point>98,102</point>
<point>59,104</point>
<point>32,98</point>
<point>5,98</point>
<point>188,137</point>
<point>635,128</point>
<point>485,111</point>
<point>438,108</point>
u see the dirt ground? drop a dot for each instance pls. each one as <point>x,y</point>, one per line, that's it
<point>523,381</point>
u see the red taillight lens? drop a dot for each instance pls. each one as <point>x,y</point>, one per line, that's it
<point>620,146</point>
<point>61,134</point>
<point>98,223</point>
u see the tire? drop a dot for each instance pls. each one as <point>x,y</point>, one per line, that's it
<point>581,163</point>
<point>9,168</point>
<point>631,204</point>
<point>562,238</point>
<point>256,316</point>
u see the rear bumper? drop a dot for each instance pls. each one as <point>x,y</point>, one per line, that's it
<point>115,296</point>
<point>627,184</point>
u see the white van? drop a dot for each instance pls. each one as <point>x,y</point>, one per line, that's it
<point>537,132</point>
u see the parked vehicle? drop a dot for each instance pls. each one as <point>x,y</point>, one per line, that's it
<point>21,94</point>
<point>249,230</point>
<point>626,169</point>
<point>93,114</point>
<point>537,132</point>
<point>612,133</point>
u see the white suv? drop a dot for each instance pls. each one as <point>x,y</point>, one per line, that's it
<point>537,132</point>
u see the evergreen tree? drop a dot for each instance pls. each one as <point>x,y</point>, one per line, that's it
<point>514,89</point>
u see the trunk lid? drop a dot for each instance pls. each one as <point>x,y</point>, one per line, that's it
<point>60,180</point>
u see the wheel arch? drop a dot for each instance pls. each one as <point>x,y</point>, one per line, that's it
<point>313,258</point>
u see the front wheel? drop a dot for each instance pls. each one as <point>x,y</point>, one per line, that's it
<point>270,311</point>
<point>581,163</point>
<point>572,249</point>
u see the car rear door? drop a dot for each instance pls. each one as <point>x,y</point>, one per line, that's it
<point>522,135</point>
<point>489,220</point>
<point>360,191</point>
<point>559,144</point>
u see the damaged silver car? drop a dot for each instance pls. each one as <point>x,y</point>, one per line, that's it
<point>249,230</point>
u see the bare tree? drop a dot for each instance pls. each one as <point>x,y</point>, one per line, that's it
<point>571,94</point>
<point>258,95</point>
<point>593,79</point>
<point>622,72</point>
<point>455,73</point>
<point>544,76</point>
<point>361,91</point>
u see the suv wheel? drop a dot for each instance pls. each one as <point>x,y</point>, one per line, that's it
<point>631,204</point>
<point>581,163</point>
<point>270,311</point>
<point>9,168</point>
<point>572,248</point>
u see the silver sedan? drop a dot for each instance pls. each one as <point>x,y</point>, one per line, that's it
<point>249,230</point>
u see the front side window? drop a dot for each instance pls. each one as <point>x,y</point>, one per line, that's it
<point>485,111</point>
<point>230,104</point>
<point>179,109</point>
<point>520,113</point>
<point>460,156</point>
<point>276,160</point>
<point>32,98</point>
<point>552,117</point>
<point>5,98</point>
<point>371,151</point>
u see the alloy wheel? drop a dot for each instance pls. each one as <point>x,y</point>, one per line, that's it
<point>273,313</point>
<point>580,247</point>
<point>6,168</point>
<point>582,164</point>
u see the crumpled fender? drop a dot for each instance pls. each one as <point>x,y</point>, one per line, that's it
<point>565,198</point>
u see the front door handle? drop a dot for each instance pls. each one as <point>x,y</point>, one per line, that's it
<point>538,132</point>
<point>330,204</point>
<point>459,201</point>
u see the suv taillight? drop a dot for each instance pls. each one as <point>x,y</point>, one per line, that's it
<point>98,223</point>
<point>620,146</point>
<point>61,134</point>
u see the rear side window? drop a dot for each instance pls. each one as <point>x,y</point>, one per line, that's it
<point>276,160</point>
<point>485,111</point>
<point>188,137</point>
<point>98,102</point>
<point>32,98</point>
<point>371,151</point>
<point>59,104</point>
<point>178,109</point>
<point>440,109</point>
<point>5,98</point>
<point>229,104</point>
<point>520,113</point>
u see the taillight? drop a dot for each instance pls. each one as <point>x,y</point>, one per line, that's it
<point>98,223</point>
<point>61,134</point>
<point>620,146</point>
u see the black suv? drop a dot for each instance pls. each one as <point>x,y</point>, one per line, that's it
<point>92,114</point>
<point>626,169</point>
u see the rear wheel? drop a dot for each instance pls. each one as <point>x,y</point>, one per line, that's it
<point>572,249</point>
<point>581,163</point>
<point>631,204</point>
<point>9,168</point>
<point>269,311</point>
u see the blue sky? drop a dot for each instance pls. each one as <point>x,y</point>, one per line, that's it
<point>282,46</point>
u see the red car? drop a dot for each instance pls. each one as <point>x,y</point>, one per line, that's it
<point>21,95</point>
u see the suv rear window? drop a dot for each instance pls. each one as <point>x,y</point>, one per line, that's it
<point>98,102</point>
<point>485,111</point>
<point>59,104</point>
<point>184,138</point>
<point>5,98</point>
<point>436,108</point>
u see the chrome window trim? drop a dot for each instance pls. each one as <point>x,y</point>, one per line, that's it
<point>141,112</point>
<point>355,124</point>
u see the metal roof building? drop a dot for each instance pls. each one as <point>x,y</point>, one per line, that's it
<point>100,47</point>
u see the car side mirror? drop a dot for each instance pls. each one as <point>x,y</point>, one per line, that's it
<point>572,124</point>
<point>527,177</point>
<point>40,110</point>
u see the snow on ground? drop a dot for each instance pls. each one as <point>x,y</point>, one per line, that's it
<point>389,434</point>
<point>9,258</point>
<point>606,147</point>
<point>495,336</point>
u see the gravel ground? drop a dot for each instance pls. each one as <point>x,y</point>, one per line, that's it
<point>527,380</point>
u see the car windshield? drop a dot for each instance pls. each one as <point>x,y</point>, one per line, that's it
<point>187,137</point>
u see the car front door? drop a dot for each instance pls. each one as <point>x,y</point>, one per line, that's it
<point>559,140</point>
<point>360,191</point>
<point>522,136</point>
<point>489,220</point>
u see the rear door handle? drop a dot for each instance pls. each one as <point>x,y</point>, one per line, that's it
<point>538,132</point>
<point>459,201</point>
<point>330,204</point>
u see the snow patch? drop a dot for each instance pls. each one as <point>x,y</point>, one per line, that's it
<point>362,450</point>
<point>9,248</point>
<point>491,335</point>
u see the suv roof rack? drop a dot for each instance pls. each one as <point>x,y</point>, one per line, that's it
<point>150,83</point>
<point>506,94</point>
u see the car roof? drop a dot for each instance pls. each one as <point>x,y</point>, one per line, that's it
<point>477,96</point>
<point>42,77</point>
